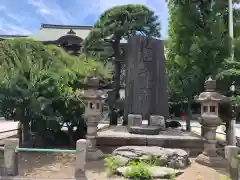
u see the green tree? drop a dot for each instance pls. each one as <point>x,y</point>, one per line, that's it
<point>38,87</point>
<point>26,67</point>
<point>116,24</point>
<point>197,47</point>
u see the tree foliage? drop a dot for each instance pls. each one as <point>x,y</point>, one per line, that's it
<point>198,45</point>
<point>198,42</point>
<point>36,87</point>
<point>122,22</point>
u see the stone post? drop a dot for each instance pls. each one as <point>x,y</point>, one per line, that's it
<point>10,156</point>
<point>233,163</point>
<point>81,151</point>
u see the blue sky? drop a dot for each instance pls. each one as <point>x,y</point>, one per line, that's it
<point>25,16</point>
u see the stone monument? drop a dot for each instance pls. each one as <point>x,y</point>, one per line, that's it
<point>146,79</point>
<point>146,86</point>
<point>210,120</point>
<point>93,99</point>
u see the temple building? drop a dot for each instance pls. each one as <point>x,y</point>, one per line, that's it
<point>70,37</point>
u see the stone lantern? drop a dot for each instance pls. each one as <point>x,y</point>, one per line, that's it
<point>210,120</point>
<point>93,100</point>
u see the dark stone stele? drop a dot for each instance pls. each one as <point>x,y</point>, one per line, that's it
<point>146,79</point>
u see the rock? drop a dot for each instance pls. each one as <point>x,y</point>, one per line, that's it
<point>174,158</point>
<point>155,171</point>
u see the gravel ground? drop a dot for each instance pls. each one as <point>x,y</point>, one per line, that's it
<point>60,166</point>
<point>199,172</point>
<point>37,166</point>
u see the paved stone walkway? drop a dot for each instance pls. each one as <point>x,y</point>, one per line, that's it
<point>199,172</point>
<point>9,126</point>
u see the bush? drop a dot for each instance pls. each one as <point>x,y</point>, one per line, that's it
<point>111,164</point>
<point>138,171</point>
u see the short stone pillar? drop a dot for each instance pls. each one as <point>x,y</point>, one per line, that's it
<point>134,120</point>
<point>93,99</point>
<point>210,120</point>
<point>10,156</point>
<point>233,163</point>
<point>156,120</point>
<point>81,152</point>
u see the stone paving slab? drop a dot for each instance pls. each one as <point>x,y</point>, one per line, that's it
<point>23,178</point>
<point>7,129</point>
<point>12,126</point>
<point>121,131</point>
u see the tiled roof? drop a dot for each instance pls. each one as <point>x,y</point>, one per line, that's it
<point>12,36</point>
<point>52,32</point>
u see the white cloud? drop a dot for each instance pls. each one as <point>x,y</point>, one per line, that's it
<point>51,9</point>
<point>15,17</point>
<point>99,6</point>
<point>10,28</point>
<point>44,11</point>
<point>27,16</point>
<point>2,7</point>
<point>9,22</point>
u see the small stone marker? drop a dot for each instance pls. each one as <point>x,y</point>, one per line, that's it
<point>10,156</point>
<point>156,120</point>
<point>134,120</point>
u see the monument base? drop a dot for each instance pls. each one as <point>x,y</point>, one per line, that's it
<point>146,130</point>
<point>211,161</point>
<point>115,136</point>
<point>94,154</point>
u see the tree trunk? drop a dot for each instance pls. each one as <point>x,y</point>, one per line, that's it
<point>70,136</point>
<point>189,115</point>
<point>227,131</point>
<point>81,130</point>
<point>25,131</point>
<point>231,129</point>
<point>116,80</point>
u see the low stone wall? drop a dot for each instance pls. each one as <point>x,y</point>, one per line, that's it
<point>11,158</point>
<point>231,153</point>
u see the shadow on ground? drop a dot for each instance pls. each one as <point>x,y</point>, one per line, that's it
<point>40,164</point>
<point>35,165</point>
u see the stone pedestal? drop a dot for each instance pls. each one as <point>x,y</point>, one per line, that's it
<point>209,156</point>
<point>153,127</point>
<point>93,153</point>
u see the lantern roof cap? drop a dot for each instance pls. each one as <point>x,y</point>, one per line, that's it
<point>212,96</point>
<point>95,94</point>
<point>210,85</point>
<point>210,93</point>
